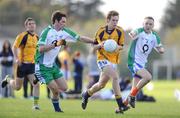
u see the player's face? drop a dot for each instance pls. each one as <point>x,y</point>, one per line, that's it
<point>148,25</point>
<point>31,26</point>
<point>113,21</point>
<point>59,25</point>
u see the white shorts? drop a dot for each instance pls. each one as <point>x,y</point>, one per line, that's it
<point>103,63</point>
<point>136,67</point>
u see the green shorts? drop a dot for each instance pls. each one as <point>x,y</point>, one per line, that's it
<point>50,73</point>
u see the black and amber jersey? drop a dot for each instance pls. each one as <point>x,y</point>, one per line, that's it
<point>103,34</point>
<point>26,42</point>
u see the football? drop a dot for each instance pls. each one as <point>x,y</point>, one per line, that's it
<point>110,45</point>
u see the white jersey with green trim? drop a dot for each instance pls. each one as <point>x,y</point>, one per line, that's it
<point>142,46</point>
<point>49,36</point>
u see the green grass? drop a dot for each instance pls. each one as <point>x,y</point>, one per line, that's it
<point>165,107</point>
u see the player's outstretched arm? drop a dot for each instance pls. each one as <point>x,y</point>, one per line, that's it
<point>86,39</point>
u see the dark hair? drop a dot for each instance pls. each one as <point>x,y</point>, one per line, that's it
<point>112,13</point>
<point>4,48</point>
<point>27,20</point>
<point>149,17</point>
<point>57,15</point>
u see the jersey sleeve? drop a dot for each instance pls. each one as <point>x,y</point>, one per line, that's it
<point>138,30</point>
<point>99,35</point>
<point>70,36</point>
<point>121,37</point>
<point>43,37</point>
<point>18,41</point>
<point>157,41</point>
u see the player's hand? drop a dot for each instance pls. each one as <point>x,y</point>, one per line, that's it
<point>18,62</point>
<point>102,44</point>
<point>133,35</point>
<point>60,42</point>
<point>161,50</point>
<point>119,48</point>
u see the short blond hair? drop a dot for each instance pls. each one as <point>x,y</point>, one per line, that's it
<point>112,13</point>
<point>27,20</point>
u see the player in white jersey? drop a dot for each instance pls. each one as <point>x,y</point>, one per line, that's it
<point>144,40</point>
<point>48,48</point>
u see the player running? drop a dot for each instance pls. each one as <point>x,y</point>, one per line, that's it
<point>49,44</point>
<point>144,40</point>
<point>106,61</point>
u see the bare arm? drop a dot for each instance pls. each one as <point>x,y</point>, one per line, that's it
<point>15,53</point>
<point>86,39</point>
<point>98,46</point>
<point>46,48</point>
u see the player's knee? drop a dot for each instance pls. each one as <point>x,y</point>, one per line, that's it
<point>54,89</point>
<point>64,88</point>
<point>55,92</point>
<point>149,78</point>
<point>18,88</point>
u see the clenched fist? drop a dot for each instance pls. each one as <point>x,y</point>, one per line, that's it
<point>60,42</point>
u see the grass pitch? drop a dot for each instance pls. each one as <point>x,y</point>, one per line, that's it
<point>166,106</point>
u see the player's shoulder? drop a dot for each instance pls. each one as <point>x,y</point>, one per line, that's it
<point>154,32</point>
<point>46,30</point>
<point>119,28</point>
<point>102,28</point>
<point>23,33</point>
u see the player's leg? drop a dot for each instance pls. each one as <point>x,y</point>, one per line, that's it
<point>104,78</point>
<point>141,78</point>
<point>36,91</point>
<point>146,78</point>
<point>115,84</point>
<point>59,86</point>
<point>25,87</point>
<point>30,69</point>
<point>62,84</point>
<point>16,83</point>
<point>46,76</point>
<point>131,99</point>
<point>136,78</point>
<point>59,79</point>
<point>55,95</point>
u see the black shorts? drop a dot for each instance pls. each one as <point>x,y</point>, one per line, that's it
<point>25,69</point>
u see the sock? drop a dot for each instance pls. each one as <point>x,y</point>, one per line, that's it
<point>119,101</point>
<point>134,91</point>
<point>36,100</point>
<point>55,103</point>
